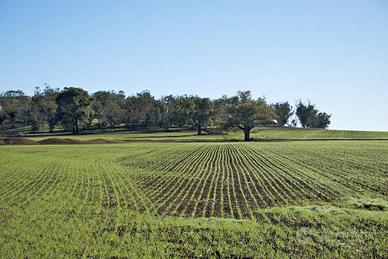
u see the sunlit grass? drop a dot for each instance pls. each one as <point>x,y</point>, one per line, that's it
<point>195,199</point>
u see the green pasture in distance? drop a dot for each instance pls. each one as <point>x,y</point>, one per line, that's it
<point>257,133</point>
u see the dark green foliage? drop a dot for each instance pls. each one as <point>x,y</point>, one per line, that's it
<point>168,110</point>
<point>142,110</point>
<point>310,117</point>
<point>14,107</point>
<point>72,104</point>
<point>245,113</point>
<point>2,117</point>
<point>322,120</point>
<point>306,114</point>
<point>183,112</point>
<point>283,111</point>
<point>75,110</point>
<point>43,108</point>
<point>108,108</point>
<point>202,112</point>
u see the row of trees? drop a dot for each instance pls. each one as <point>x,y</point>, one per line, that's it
<point>74,109</point>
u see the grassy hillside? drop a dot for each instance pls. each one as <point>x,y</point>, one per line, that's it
<point>190,136</point>
<point>298,133</point>
<point>195,199</point>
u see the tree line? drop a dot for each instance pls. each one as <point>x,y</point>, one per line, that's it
<point>74,109</point>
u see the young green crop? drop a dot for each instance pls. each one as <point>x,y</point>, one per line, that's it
<point>195,199</point>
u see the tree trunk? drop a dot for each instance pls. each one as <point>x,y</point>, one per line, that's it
<point>247,134</point>
<point>199,132</point>
<point>75,126</point>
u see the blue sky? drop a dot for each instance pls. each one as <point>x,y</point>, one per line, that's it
<point>334,53</point>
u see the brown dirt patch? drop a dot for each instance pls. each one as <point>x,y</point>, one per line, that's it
<point>16,141</point>
<point>61,141</point>
<point>54,141</point>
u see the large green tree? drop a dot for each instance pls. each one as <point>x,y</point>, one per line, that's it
<point>108,108</point>
<point>14,106</point>
<point>72,105</point>
<point>245,113</point>
<point>183,114</point>
<point>310,117</point>
<point>142,110</point>
<point>167,110</point>
<point>43,108</point>
<point>306,114</point>
<point>220,115</point>
<point>322,120</point>
<point>284,111</point>
<point>202,111</point>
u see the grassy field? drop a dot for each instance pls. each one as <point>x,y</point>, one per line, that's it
<point>298,133</point>
<point>267,199</point>
<point>191,136</point>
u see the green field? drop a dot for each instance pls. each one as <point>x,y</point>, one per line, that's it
<point>298,133</point>
<point>262,199</point>
<point>191,136</point>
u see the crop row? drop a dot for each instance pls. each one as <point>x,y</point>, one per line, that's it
<point>226,181</point>
<point>192,180</point>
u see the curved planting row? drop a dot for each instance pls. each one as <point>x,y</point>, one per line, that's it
<point>191,179</point>
<point>338,169</point>
<point>224,180</point>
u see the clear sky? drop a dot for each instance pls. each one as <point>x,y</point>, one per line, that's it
<point>334,53</point>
